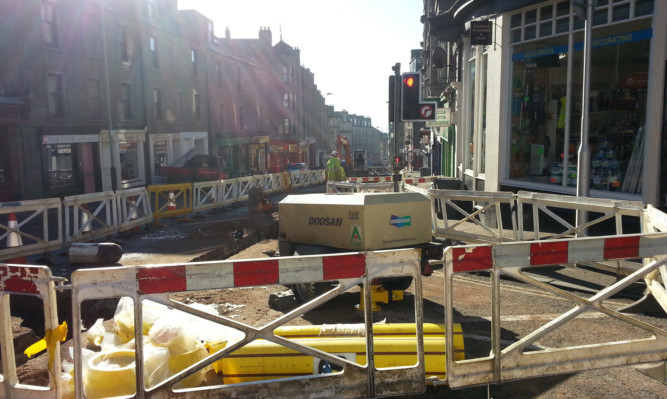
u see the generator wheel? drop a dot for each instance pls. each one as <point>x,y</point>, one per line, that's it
<point>307,291</point>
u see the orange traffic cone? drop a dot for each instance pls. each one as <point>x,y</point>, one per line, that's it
<point>14,239</point>
<point>171,206</point>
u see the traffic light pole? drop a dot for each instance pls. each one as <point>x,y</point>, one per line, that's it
<point>397,119</point>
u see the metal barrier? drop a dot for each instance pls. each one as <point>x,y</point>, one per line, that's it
<point>273,183</point>
<point>133,208</point>
<point>90,216</point>
<point>547,205</point>
<point>371,179</point>
<point>156,283</point>
<point>472,216</point>
<point>352,187</point>
<point>524,358</point>
<point>170,200</point>
<point>228,191</point>
<point>36,281</point>
<point>244,184</point>
<point>205,195</point>
<point>29,229</point>
<point>299,179</point>
<point>656,281</point>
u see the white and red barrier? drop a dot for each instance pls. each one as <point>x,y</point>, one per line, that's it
<point>512,360</point>
<point>35,281</point>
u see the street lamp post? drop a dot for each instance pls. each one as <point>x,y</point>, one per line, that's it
<point>584,154</point>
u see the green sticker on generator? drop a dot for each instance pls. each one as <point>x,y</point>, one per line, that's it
<point>355,236</point>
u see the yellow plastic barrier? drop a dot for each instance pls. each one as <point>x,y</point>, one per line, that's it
<point>176,200</point>
<point>394,346</point>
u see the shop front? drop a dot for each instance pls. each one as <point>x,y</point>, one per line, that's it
<point>126,154</point>
<point>166,149</point>
<point>234,152</point>
<point>545,103</point>
<point>70,164</point>
<point>259,150</point>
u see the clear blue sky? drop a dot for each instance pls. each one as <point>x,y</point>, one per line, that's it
<point>350,45</point>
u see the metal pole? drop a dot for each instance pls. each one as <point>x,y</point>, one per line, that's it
<point>584,161</point>
<point>114,179</point>
<point>397,118</point>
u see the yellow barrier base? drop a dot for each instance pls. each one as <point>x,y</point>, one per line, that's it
<point>379,294</point>
<point>394,346</point>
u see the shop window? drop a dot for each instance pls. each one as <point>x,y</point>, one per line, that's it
<point>543,145</point>
<point>160,153</point>
<point>61,175</point>
<point>129,161</point>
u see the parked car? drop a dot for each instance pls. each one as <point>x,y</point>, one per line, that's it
<point>296,167</point>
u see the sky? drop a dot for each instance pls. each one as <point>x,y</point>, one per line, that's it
<point>349,45</point>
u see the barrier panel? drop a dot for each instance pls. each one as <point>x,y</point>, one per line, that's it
<point>206,195</point>
<point>656,281</point>
<point>372,179</point>
<point>273,183</point>
<point>351,187</point>
<point>299,179</point>
<point>552,206</point>
<point>20,281</point>
<point>228,191</point>
<point>525,357</point>
<point>133,208</point>
<point>90,216</point>
<point>170,200</point>
<point>357,378</point>
<point>244,184</point>
<point>30,227</point>
<point>472,216</point>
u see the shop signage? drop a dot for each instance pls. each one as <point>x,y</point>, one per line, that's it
<point>70,138</point>
<point>481,33</point>
<point>443,118</point>
<point>634,81</point>
<point>621,38</point>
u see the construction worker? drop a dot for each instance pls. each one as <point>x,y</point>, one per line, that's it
<point>335,171</point>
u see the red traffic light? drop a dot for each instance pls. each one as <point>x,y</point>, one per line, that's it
<point>409,81</point>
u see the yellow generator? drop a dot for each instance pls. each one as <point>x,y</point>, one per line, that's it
<point>315,224</point>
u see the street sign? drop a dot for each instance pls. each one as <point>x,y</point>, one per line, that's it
<point>426,111</point>
<point>443,118</point>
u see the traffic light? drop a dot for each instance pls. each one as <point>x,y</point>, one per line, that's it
<point>412,108</point>
<point>410,96</point>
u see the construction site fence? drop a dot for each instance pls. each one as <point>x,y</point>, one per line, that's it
<point>523,357</point>
<point>519,358</point>
<point>36,227</point>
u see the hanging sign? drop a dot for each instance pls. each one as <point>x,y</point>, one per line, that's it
<point>481,32</point>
